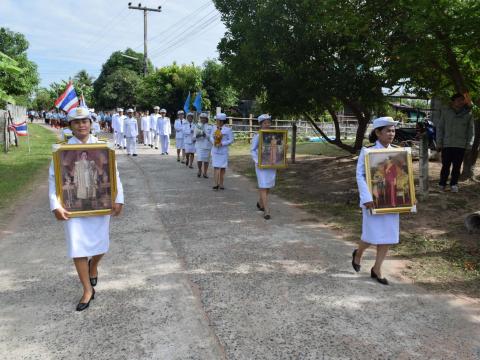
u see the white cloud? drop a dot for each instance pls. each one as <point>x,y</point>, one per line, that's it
<point>67,36</point>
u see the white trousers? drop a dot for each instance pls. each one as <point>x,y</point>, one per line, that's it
<point>119,139</point>
<point>131,145</point>
<point>146,137</point>
<point>155,139</point>
<point>165,141</point>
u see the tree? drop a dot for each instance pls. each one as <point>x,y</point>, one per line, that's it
<point>215,83</point>
<point>126,65</point>
<point>169,86</point>
<point>18,84</point>
<point>44,99</point>
<point>120,88</point>
<point>306,58</point>
<point>83,84</point>
<point>432,47</point>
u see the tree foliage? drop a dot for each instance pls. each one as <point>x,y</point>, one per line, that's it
<point>83,83</point>
<point>18,75</point>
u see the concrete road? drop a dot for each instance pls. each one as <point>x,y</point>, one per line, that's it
<point>198,274</point>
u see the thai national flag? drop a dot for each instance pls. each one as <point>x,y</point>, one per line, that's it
<point>68,100</point>
<point>20,129</point>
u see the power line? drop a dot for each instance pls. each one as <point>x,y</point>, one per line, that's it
<point>179,22</point>
<point>197,29</point>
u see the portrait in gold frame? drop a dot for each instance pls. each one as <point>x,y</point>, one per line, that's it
<point>85,178</point>
<point>389,175</point>
<point>272,149</point>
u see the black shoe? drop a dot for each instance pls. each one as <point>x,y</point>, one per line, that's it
<point>383,281</point>
<point>124,148</point>
<point>156,148</point>
<point>199,175</point>
<point>82,306</point>
<point>93,280</point>
<point>356,267</point>
<point>215,187</point>
<point>205,176</point>
<point>135,155</point>
<point>267,217</point>
<point>222,188</point>
<point>259,207</point>
<point>191,167</point>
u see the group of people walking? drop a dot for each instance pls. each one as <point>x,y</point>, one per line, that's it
<point>88,238</point>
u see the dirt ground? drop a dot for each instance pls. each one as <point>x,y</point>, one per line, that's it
<point>438,251</point>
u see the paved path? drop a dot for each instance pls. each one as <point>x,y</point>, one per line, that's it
<point>198,274</point>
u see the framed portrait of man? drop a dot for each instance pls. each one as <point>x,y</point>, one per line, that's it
<point>85,177</point>
<point>273,149</point>
<point>389,174</point>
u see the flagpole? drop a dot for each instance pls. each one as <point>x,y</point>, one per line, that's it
<point>28,139</point>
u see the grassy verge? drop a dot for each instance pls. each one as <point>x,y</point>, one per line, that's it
<point>440,254</point>
<point>18,167</point>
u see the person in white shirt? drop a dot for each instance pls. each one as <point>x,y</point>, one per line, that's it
<point>85,236</point>
<point>164,130</point>
<point>203,146</point>
<point>189,140</point>
<point>265,177</point>
<point>117,125</point>
<point>153,127</point>
<point>145,125</point>
<point>178,126</point>
<point>382,230</point>
<point>131,133</point>
<point>221,138</point>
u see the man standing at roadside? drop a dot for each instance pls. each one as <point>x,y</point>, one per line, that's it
<point>118,128</point>
<point>164,129</point>
<point>454,136</point>
<point>154,139</point>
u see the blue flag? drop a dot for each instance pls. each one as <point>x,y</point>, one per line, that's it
<point>186,107</point>
<point>198,102</point>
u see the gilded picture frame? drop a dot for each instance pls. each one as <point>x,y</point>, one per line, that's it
<point>272,149</point>
<point>85,178</point>
<point>389,175</point>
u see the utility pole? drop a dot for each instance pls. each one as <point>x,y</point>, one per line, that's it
<point>145,9</point>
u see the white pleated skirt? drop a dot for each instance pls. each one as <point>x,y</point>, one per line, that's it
<point>381,229</point>
<point>179,143</point>
<point>87,236</point>
<point>265,177</point>
<point>189,148</point>
<point>203,155</point>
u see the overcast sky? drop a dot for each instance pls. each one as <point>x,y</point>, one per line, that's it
<point>66,36</point>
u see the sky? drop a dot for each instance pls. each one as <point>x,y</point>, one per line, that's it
<point>67,36</point>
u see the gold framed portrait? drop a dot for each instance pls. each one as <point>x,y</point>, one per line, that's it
<point>389,174</point>
<point>272,149</point>
<point>85,178</point>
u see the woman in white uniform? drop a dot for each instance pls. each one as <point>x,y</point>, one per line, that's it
<point>86,236</point>
<point>221,138</point>
<point>265,177</point>
<point>178,126</point>
<point>189,140</point>
<point>203,146</point>
<point>381,230</point>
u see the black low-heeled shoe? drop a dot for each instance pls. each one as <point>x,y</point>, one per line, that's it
<point>215,187</point>
<point>82,306</point>
<point>93,280</point>
<point>259,208</point>
<point>382,281</point>
<point>199,175</point>
<point>356,267</point>
<point>267,217</point>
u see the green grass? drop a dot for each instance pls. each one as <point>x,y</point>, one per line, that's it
<point>18,167</point>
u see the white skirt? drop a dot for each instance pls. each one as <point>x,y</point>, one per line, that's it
<point>380,229</point>
<point>87,236</point>
<point>179,143</point>
<point>219,160</point>
<point>266,177</point>
<point>203,155</point>
<point>189,148</point>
